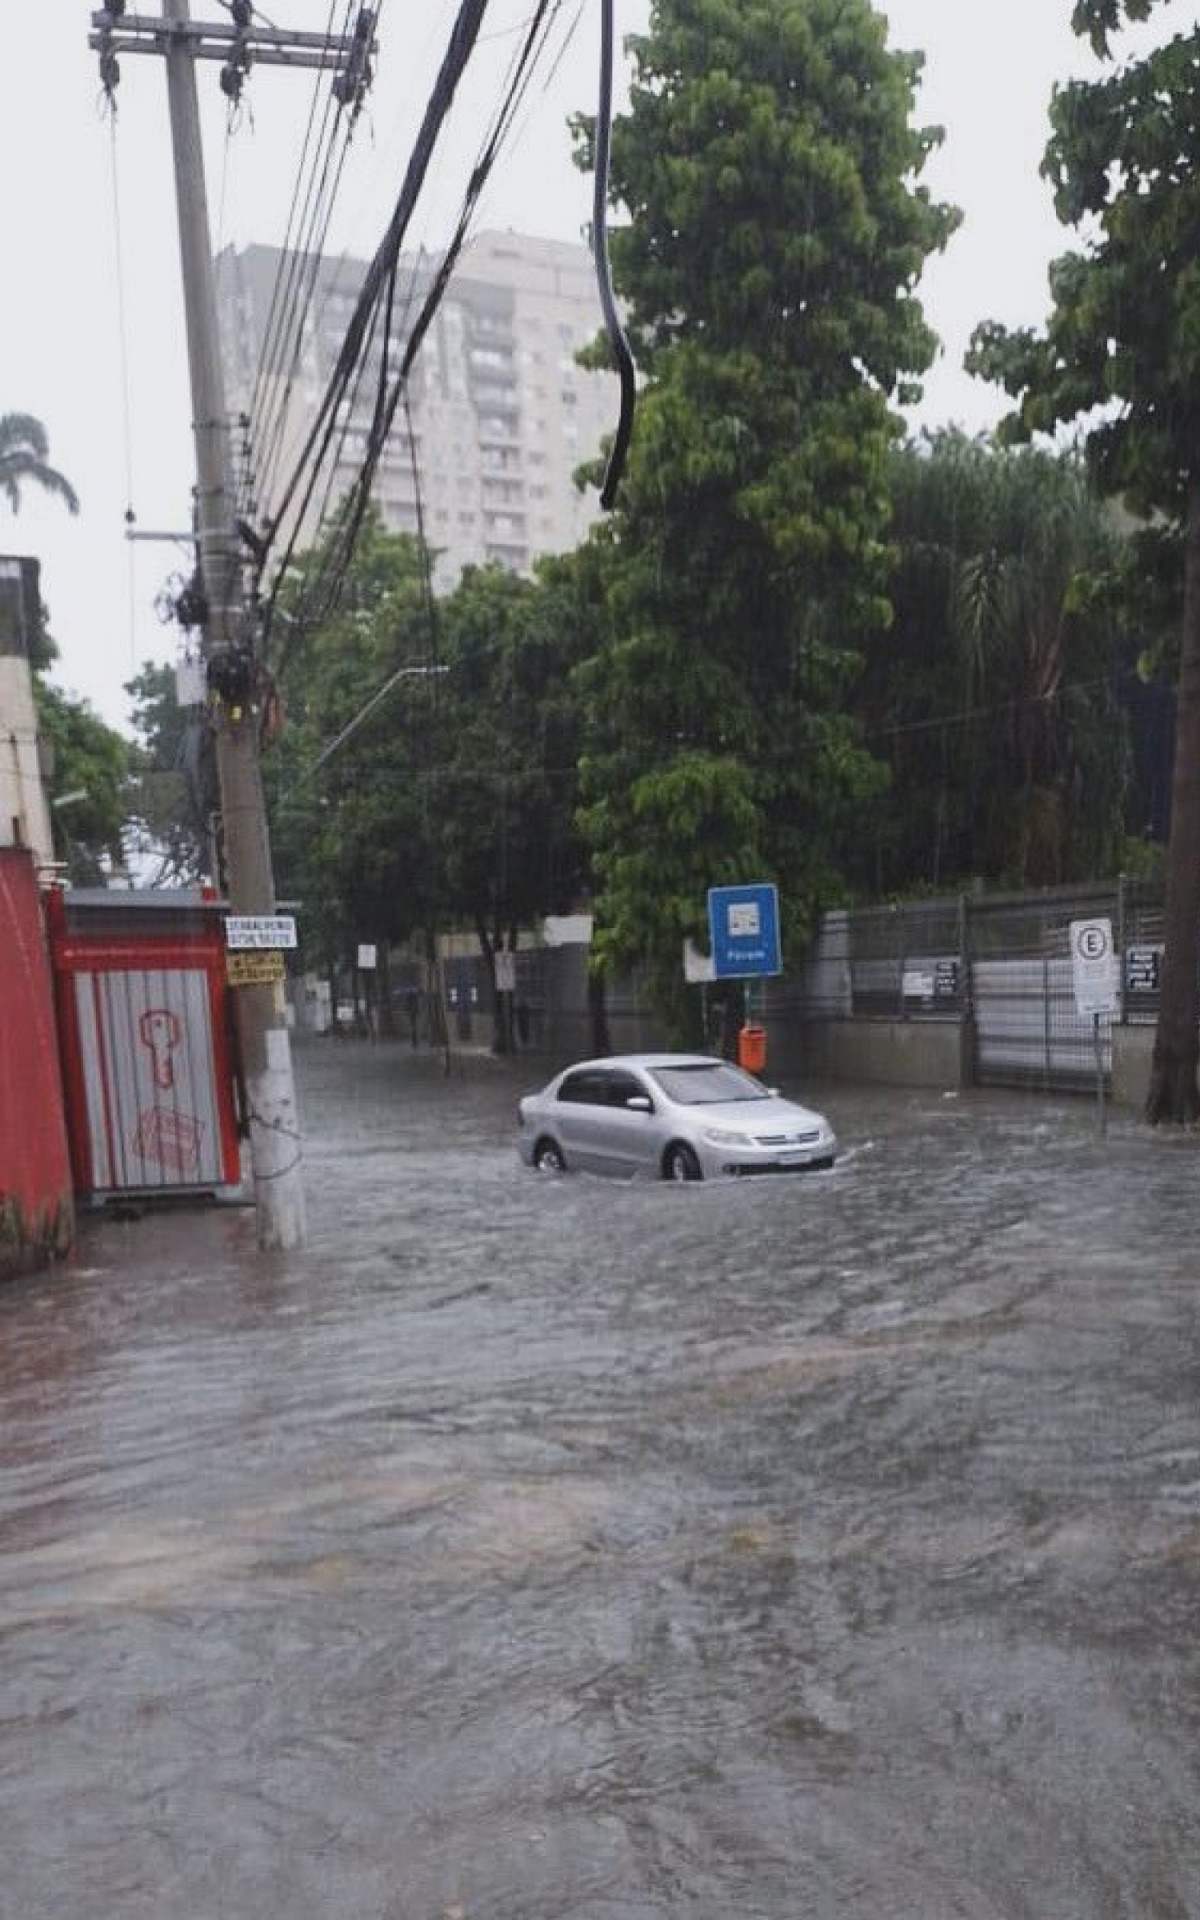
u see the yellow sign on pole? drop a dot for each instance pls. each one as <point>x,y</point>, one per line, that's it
<point>254,969</point>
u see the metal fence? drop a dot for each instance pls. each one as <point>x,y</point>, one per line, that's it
<point>997,966</point>
<point>1001,961</point>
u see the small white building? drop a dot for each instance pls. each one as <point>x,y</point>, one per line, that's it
<point>24,810</point>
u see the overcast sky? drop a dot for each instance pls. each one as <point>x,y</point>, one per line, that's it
<point>69,322</point>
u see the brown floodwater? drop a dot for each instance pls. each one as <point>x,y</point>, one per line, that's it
<point>823,1548</point>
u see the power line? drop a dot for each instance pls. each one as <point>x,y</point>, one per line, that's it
<point>968,715</point>
<point>126,401</point>
<point>337,559</point>
<point>302,484</point>
<point>304,235</point>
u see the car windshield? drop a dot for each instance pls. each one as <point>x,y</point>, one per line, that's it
<point>707,1083</point>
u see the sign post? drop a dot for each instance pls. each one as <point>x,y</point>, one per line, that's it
<point>743,928</point>
<point>1097,982</point>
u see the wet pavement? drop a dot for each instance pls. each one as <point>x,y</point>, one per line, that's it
<point>543,1549</point>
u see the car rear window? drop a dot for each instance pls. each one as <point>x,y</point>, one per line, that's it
<point>708,1082</point>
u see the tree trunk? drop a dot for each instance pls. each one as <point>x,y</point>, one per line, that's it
<point>1173,1095</point>
<point>435,999</point>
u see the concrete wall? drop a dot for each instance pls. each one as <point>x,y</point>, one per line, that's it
<point>895,1053</point>
<point>1132,1052</point>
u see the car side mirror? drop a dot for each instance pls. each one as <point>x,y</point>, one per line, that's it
<point>640,1103</point>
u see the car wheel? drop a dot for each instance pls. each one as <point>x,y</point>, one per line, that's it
<point>548,1157</point>
<point>680,1163</point>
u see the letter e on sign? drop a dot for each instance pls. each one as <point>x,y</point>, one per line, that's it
<point>1094,971</point>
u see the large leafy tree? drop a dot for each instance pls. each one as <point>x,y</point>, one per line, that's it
<point>90,783</point>
<point>996,697</point>
<point>1124,338</point>
<point>25,461</point>
<point>173,777</point>
<point>450,800</point>
<point>776,235</point>
<point>347,821</point>
<point>506,787</point>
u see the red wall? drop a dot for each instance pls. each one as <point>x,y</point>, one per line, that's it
<point>35,1172</point>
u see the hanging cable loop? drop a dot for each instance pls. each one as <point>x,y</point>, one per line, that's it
<point>612,319</point>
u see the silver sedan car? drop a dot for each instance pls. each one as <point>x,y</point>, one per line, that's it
<point>675,1116</point>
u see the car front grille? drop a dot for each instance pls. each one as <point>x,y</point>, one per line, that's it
<point>806,1139</point>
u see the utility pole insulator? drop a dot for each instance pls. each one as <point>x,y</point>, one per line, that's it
<point>237,45</point>
<point>355,78</point>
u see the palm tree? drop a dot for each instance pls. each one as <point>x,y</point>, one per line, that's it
<point>24,450</point>
<point>995,695</point>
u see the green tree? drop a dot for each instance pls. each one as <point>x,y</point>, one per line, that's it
<point>90,780</point>
<point>451,801</point>
<point>509,847</point>
<point>776,237</point>
<point>346,809</point>
<point>1124,338</point>
<point>172,776</point>
<point>996,696</point>
<point>24,461</point>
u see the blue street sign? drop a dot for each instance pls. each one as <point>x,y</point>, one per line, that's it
<point>743,927</point>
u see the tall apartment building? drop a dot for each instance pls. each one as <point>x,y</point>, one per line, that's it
<point>501,414</point>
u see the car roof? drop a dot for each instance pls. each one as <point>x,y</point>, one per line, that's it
<point>645,1060</point>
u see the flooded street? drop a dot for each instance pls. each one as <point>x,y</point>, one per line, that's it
<point>554,1549</point>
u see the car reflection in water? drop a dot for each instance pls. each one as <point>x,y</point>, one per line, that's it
<point>675,1116</point>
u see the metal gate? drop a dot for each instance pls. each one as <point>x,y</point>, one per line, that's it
<point>141,991</point>
<point>1028,1032</point>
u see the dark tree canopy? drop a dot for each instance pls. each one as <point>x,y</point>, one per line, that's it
<point>776,234</point>
<point>996,697</point>
<point>449,801</point>
<point>1124,338</point>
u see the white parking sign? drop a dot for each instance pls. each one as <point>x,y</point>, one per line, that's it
<point>1094,972</point>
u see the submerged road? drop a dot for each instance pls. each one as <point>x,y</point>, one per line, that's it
<point>535,1549</point>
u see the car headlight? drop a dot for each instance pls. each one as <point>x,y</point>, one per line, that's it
<point>725,1137</point>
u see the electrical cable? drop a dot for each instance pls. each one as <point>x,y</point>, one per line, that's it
<point>333,468</point>
<point>302,484</point>
<point>302,258</point>
<point>307,225</point>
<point>1020,703</point>
<point>338,560</point>
<point>126,399</point>
<point>304,179</point>
<point>612,319</point>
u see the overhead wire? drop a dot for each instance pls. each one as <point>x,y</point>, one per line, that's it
<point>299,491</point>
<point>337,556</point>
<point>309,218</point>
<point>1019,703</point>
<point>612,319</point>
<point>302,259</point>
<point>302,190</point>
<point>126,395</point>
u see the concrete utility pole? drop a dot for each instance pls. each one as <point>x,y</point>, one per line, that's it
<point>228,642</point>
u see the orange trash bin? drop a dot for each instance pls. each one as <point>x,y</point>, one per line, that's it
<point>752,1049</point>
